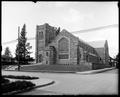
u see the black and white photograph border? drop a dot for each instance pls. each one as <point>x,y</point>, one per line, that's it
<point>59,47</point>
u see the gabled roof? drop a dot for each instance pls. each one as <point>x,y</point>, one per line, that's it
<point>64,30</point>
<point>97,44</point>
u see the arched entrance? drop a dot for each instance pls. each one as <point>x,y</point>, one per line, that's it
<point>40,58</point>
<point>53,55</point>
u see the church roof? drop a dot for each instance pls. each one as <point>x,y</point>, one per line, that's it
<point>64,30</point>
<point>97,44</point>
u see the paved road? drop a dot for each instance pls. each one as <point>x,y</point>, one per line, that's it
<point>114,71</point>
<point>76,84</point>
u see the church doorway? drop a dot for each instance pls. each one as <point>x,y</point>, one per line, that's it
<point>53,55</point>
<point>40,58</point>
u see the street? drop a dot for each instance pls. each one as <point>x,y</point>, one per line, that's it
<point>105,83</point>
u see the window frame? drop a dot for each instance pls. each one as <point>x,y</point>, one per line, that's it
<point>63,53</point>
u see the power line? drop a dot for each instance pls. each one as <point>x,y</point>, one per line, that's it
<point>4,43</point>
<point>81,31</point>
<point>97,28</point>
<point>10,42</point>
<point>32,38</point>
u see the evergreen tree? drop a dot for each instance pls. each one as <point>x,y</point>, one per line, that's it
<point>22,49</point>
<point>7,53</point>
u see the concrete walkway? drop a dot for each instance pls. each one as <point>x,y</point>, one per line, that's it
<point>42,82</point>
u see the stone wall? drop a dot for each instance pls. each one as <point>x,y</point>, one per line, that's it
<point>72,47</point>
<point>50,34</point>
<point>73,41</point>
<point>40,41</point>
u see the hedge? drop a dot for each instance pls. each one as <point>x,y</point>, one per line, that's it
<point>17,85</point>
<point>4,81</point>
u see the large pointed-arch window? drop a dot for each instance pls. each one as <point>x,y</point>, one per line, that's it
<point>63,48</point>
<point>63,45</point>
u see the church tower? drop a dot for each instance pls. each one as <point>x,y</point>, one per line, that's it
<point>44,35</point>
<point>40,42</point>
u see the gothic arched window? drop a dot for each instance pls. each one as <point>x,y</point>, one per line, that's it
<point>63,45</point>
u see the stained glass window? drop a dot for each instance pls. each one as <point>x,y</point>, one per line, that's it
<point>63,45</point>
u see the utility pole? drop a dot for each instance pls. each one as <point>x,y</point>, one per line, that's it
<point>24,48</point>
<point>18,49</point>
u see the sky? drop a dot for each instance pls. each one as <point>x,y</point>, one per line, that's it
<point>72,16</point>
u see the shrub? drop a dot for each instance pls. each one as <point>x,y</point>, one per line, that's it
<point>17,85</point>
<point>4,81</point>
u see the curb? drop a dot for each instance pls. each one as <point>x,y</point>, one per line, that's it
<point>43,71</point>
<point>95,71</point>
<point>49,71</point>
<point>80,72</point>
<point>27,89</point>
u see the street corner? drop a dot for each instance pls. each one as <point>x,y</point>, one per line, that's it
<point>41,82</point>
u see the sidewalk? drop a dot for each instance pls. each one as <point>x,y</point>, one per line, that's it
<point>95,71</point>
<point>42,82</point>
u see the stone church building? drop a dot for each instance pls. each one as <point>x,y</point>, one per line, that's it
<point>64,48</point>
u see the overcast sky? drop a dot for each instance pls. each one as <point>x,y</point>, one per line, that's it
<point>72,16</point>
